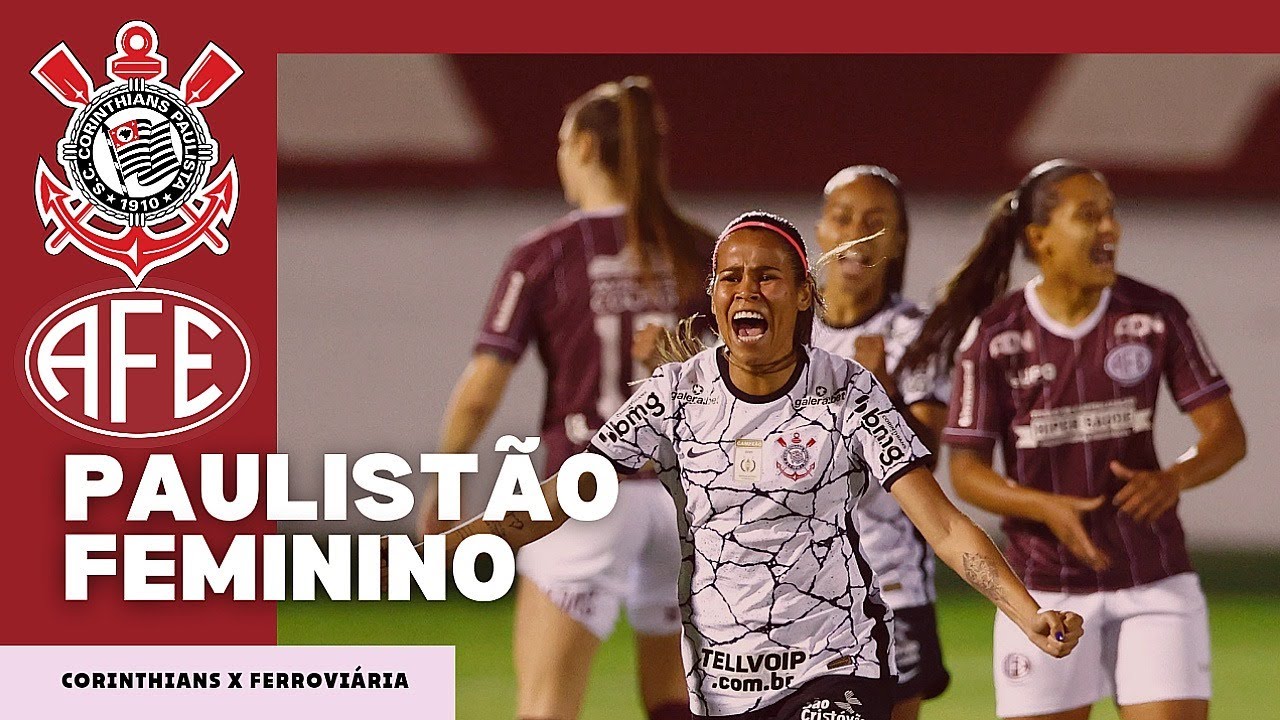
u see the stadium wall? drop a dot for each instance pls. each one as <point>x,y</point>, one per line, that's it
<point>1184,125</point>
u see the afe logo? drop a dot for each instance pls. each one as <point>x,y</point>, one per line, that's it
<point>145,365</point>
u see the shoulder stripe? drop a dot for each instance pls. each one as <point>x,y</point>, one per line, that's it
<point>1202,391</point>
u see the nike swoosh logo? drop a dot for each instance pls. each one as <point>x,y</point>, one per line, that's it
<point>693,454</point>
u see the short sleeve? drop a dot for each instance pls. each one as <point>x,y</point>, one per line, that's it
<point>927,383</point>
<point>635,433</point>
<point>924,383</point>
<point>876,432</point>
<point>1192,375</point>
<point>509,318</point>
<point>975,416</point>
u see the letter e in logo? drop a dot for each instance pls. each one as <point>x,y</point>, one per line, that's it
<point>145,366</point>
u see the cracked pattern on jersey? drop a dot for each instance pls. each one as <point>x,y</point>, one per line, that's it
<point>773,591</point>
<point>899,555</point>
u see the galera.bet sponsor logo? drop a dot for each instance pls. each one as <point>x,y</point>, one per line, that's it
<point>132,364</point>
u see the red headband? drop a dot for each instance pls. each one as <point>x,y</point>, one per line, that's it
<point>804,259</point>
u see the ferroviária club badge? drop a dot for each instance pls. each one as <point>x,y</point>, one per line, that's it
<point>137,157</point>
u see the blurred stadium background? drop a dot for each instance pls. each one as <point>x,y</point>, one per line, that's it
<point>405,179</point>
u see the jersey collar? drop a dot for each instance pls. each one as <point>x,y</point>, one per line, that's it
<point>722,362</point>
<point>1064,331</point>
<point>890,302</point>
<point>601,212</point>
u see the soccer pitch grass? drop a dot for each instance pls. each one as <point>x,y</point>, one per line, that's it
<point>1244,652</point>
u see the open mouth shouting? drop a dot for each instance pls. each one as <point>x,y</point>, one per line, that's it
<point>854,262</point>
<point>749,326</point>
<point>1104,256</point>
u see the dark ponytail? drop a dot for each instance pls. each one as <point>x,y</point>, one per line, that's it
<point>628,122</point>
<point>984,275</point>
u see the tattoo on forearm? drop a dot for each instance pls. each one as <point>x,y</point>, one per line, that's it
<point>500,528</point>
<point>476,528</point>
<point>984,576</point>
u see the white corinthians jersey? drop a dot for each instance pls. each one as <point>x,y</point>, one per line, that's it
<point>901,559</point>
<point>773,589</point>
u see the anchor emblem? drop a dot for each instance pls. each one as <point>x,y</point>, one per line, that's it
<point>137,157</point>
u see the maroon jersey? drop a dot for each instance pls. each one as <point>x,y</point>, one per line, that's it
<point>575,291</point>
<point>1063,402</point>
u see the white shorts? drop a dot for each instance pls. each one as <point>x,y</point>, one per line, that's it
<point>1141,644</point>
<point>632,556</point>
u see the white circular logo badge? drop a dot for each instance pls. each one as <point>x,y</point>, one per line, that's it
<point>1129,363</point>
<point>1016,666</point>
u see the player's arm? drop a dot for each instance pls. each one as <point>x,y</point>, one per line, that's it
<point>518,529</point>
<point>1148,494</point>
<point>977,483</point>
<point>979,416</point>
<point>926,419</point>
<point>966,549</point>
<point>476,396</point>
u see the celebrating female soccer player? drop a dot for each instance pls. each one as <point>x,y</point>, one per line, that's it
<point>867,319</point>
<point>766,444</point>
<point>582,290</point>
<point>1064,374</point>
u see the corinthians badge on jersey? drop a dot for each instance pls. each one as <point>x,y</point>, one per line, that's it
<point>796,461</point>
<point>138,156</point>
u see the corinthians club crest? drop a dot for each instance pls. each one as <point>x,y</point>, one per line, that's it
<point>796,461</point>
<point>137,157</point>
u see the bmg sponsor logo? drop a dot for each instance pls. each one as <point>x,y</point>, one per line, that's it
<point>873,420</point>
<point>633,415</point>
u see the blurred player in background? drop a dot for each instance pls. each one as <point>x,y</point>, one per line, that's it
<point>1064,375</point>
<point>767,444</point>
<point>583,291</point>
<point>867,319</point>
